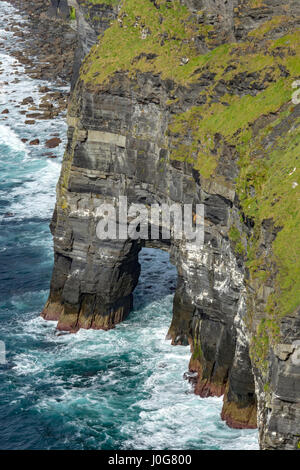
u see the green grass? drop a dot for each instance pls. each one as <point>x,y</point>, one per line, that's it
<point>268,26</point>
<point>204,122</point>
<point>121,47</point>
<point>277,197</point>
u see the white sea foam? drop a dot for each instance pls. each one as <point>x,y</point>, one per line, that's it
<point>33,199</point>
<point>8,137</point>
<point>169,416</point>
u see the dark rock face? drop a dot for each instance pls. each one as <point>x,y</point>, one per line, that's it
<point>283,411</point>
<point>119,145</point>
<point>92,20</point>
<point>59,8</point>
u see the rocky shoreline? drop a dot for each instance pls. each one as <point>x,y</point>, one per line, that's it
<point>49,44</point>
<point>45,47</point>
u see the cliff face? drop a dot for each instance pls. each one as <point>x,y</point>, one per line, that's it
<point>190,102</point>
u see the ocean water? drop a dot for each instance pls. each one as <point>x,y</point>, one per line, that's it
<point>119,389</point>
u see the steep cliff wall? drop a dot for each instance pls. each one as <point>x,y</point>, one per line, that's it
<point>190,101</point>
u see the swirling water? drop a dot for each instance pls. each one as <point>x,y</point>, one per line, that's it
<point>120,389</point>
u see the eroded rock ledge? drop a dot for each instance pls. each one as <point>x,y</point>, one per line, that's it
<point>190,102</point>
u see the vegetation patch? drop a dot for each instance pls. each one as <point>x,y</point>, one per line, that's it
<point>166,32</point>
<point>197,351</point>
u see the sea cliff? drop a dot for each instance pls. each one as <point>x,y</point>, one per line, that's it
<point>191,102</point>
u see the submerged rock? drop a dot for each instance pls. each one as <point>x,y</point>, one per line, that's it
<point>34,142</point>
<point>52,143</point>
<point>27,100</point>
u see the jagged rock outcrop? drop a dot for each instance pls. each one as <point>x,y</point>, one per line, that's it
<point>190,102</point>
<point>49,45</point>
<point>59,8</point>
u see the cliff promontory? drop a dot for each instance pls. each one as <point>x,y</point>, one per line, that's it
<point>192,101</point>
